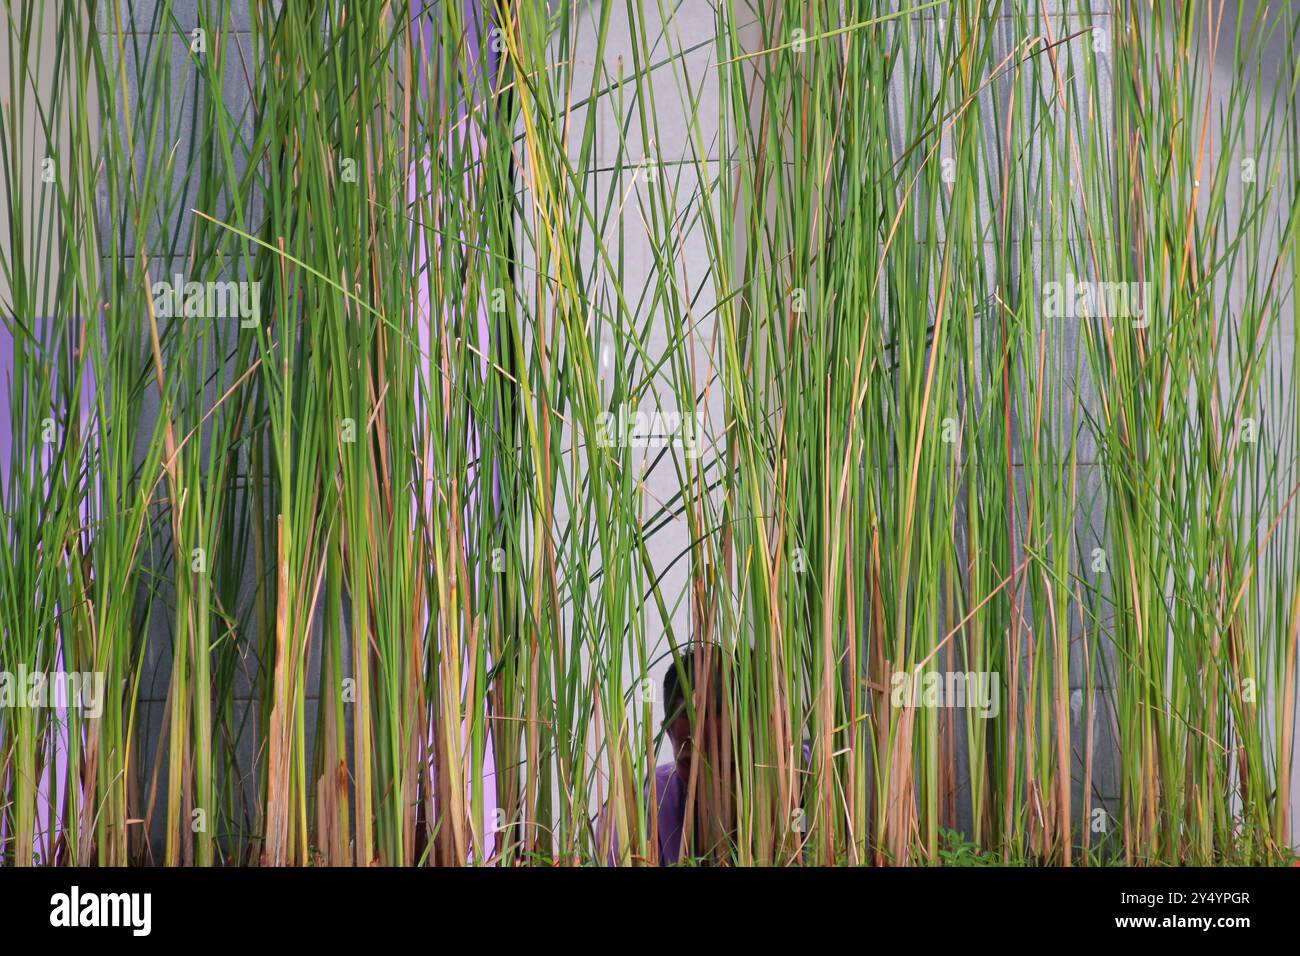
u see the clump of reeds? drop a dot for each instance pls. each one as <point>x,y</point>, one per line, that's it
<point>400,598</point>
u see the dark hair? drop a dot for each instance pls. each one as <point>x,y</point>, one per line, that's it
<point>674,691</point>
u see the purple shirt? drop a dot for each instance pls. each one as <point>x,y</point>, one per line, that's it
<point>672,811</point>
<point>671,789</point>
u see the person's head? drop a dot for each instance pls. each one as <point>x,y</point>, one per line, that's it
<point>697,668</point>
